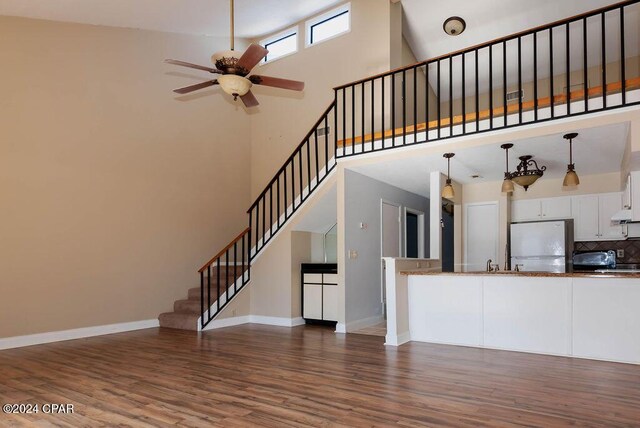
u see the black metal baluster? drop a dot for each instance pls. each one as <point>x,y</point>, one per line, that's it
<point>426,101</point>
<point>278,200</point>
<point>208,310</point>
<point>307,144</point>
<point>217,286</point>
<point>415,104</point>
<point>519,80</point>
<point>258,226</point>
<point>202,323</point>
<point>464,96</point>
<point>235,267</point>
<point>293,185</point>
<point>551,89</point>
<point>226,275</point>
<point>243,265</point>
<point>535,76</point>
<point>373,128</point>
<point>382,98</point>
<point>286,205</point>
<point>250,228</point>
<point>363,109</point>
<point>300,174</point>
<point>585,74</point>
<point>477,94</point>
<point>315,140</point>
<point>450,96</point>
<point>326,148</point>
<point>270,210</point>
<point>344,130</point>
<point>335,134</point>
<point>490,88</point>
<point>439,102</point>
<point>504,81</point>
<point>393,110</point>
<point>264,222</point>
<point>568,78</point>
<point>623,65</point>
<point>604,63</point>
<point>353,119</point>
<point>404,107</point>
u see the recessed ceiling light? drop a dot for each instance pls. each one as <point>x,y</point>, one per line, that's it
<point>454,26</point>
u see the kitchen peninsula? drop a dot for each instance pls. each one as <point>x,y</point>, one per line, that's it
<point>586,315</point>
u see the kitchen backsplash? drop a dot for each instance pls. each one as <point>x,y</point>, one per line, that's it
<point>631,249</point>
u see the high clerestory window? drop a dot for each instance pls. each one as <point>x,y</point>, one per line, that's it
<point>329,25</point>
<point>282,44</point>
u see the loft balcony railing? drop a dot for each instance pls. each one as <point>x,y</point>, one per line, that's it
<point>580,65</point>
<point>584,64</point>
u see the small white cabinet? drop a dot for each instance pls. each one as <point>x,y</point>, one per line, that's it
<point>541,209</point>
<point>592,217</point>
<point>319,292</point>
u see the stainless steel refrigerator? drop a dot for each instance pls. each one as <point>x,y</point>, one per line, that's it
<point>542,246</point>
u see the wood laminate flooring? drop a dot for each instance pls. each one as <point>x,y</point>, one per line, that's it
<point>255,375</point>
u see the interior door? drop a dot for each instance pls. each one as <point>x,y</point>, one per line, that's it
<point>390,231</point>
<point>481,235</point>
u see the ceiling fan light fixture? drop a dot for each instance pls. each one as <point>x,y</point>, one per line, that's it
<point>454,26</point>
<point>234,85</point>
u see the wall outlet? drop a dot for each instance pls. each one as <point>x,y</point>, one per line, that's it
<point>353,254</point>
<point>620,253</point>
<point>418,265</point>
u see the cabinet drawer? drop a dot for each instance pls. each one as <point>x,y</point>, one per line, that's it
<point>330,278</point>
<point>312,278</point>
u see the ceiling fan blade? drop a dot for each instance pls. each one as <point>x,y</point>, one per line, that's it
<point>276,82</point>
<point>249,99</point>
<point>195,87</point>
<point>196,66</point>
<point>252,56</point>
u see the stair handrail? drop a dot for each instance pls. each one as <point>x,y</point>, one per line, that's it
<point>224,250</point>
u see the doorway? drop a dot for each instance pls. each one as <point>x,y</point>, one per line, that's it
<point>448,240</point>
<point>413,233</point>
<point>390,242</point>
<point>481,236</point>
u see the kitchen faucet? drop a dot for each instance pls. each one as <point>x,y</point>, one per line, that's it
<point>489,268</point>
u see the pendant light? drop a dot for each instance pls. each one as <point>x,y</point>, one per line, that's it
<point>571,178</point>
<point>507,184</point>
<point>447,191</point>
<point>527,172</point>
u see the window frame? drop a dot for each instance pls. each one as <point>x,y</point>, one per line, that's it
<point>278,37</point>
<point>325,17</point>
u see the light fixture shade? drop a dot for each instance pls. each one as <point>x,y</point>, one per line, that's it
<point>525,180</point>
<point>454,26</point>
<point>447,191</point>
<point>507,186</point>
<point>571,179</point>
<point>234,85</point>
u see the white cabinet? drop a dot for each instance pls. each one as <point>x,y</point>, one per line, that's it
<point>626,193</point>
<point>592,217</point>
<point>541,209</point>
<point>319,295</point>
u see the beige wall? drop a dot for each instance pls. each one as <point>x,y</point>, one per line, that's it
<point>113,190</point>
<point>284,118</point>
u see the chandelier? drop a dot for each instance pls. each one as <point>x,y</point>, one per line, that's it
<point>527,172</point>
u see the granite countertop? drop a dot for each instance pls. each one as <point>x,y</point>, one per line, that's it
<point>530,274</point>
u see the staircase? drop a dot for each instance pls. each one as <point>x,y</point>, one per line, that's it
<point>186,312</point>
<point>388,111</point>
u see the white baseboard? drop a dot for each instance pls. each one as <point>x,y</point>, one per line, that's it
<point>397,340</point>
<point>283,322</point>
<point>341,328</point>
<point>77,333</point>
<point>254,319</point>
<point>363,323</point>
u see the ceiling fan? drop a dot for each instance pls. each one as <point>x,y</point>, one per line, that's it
<point>234,70</point>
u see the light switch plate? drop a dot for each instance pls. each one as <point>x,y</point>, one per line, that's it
<point>620,253</point>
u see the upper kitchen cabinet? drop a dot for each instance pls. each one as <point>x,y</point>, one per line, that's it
<point>592,217</point>
<point>541,209</point>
